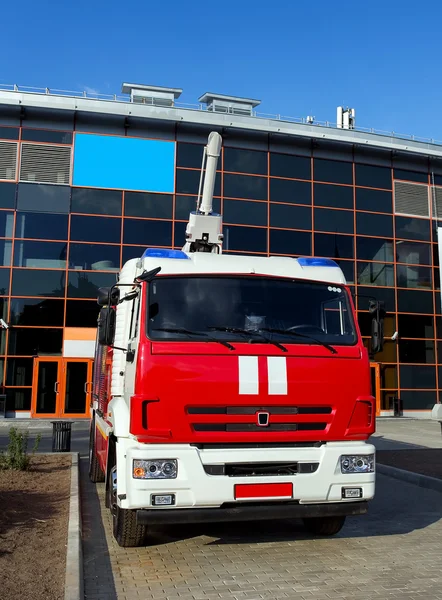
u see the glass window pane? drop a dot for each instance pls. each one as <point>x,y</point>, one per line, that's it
<point>375,177</point>
<point>33,282</point>
<point>413,253</point>
<point>5,253</point>
<point>187,182</point>
<point>335,196</point>
<point>417,400</point>
<point>147,233</point>
<point>410,175</point>
<point>96,229</point>
<point>336,221</point>
<point>416,351</point>
<point>374,200</point>
<point>245,213</point>
<point>375,274</point>
<point>245,161</point>
<point>130,252</point>
<point>35,311</point>
<point>43,198</point>
<point>7,195</point>
<point>189,155</point>
<point>290,242</point>
<point>417,377</point>
<point>40,255</point>
<point>410,301</point>
<point>4,281</point>
<point>245,186</point>
<point>9,133</point>
<point>95,257</point>
<point>348,268</point>
<point>287,216</point>
<point>388,354</point>
<point>85,285</point>
<point>415,326</point>
<point>81,313</point>
<point>334,246</point>
<point>44,135</point>
<point>285,165</point>
<point>96,202</point>
<point>76,379</point>
<point>18,399</point>
<point>371,224</point>
<point>19,371</point>
<point>388,376</point>
<point>249,239</point>
<point>333,171</point>
<point>365,321</point>
<point>384,294</point>
<point>295,192</point>
<point>180,235</point>
<point>374,249</point>
<point>34,341</point>
<point>41,227</point>
<point>6,224</point>
<point>412,229</point>
<point>414,277</point>
<point>156,206</point>
<point>184,205</point>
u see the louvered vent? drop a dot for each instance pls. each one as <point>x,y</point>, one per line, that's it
<point>436,193</point>
<point>411,199</point>
<point>8,160</point>
<point>42,163</point>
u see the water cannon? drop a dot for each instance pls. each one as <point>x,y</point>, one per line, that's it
<point>204,229</point>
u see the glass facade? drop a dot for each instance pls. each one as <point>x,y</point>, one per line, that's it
<point>59,243</point>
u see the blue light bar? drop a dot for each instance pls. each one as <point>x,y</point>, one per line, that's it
<point>312,261</point>
<point>164,253</point>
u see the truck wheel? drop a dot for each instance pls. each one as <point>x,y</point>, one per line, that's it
<point>96,475</point>
<point>324,525</point>
<point>126,530</point>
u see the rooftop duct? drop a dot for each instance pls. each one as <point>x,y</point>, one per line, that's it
<point>151,95</point>
<point>232,105</point>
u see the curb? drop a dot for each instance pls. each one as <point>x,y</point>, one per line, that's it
<point>73,589</point>
<point>423,481</point>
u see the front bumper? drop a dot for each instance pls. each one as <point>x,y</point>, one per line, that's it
<point>250,513</point>
<point>195,489</point>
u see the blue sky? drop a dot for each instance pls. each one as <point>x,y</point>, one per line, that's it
<point>298,57</point>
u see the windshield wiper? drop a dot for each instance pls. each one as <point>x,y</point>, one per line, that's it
<point>190,333</point>
<point>303,335</point>
<point>248,333</point>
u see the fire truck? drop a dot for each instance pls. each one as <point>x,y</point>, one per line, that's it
<point>230,388</point>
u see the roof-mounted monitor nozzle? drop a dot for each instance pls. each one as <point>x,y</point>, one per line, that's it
<point>204,229</point>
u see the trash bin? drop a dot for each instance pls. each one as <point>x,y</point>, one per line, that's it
<point>61,436</point>
<point>397,406</point>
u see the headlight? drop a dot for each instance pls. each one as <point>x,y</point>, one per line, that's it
<point>162,468</point>
<point>355,463</point>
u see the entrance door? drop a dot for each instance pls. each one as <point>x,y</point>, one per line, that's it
<point>61,387</point>
<point>376,385</point>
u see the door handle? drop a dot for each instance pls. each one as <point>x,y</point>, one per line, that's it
<point>57,383</point>
<point>86,391</point>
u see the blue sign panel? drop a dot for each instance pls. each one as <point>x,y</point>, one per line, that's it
<point>105,161</point>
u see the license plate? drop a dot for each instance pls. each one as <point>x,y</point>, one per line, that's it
<point>263,490</point>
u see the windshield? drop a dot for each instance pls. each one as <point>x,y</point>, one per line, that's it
<point>254,309</point>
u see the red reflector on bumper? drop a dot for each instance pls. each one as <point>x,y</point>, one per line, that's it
<point>263,490</point>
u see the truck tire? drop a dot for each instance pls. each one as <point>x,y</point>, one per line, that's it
<point>126,530</point>
<point>96,475</point>
<point>324,525</point>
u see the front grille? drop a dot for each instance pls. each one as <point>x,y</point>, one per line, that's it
<point>246,427</point>
<point>260,469</point>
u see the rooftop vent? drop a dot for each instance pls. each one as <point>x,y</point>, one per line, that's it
<point>231,105</point>
<point>151,95</point>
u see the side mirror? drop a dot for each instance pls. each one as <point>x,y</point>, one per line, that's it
<point>377,312</point>
<point>108,296</point>
<point>106,326</point>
